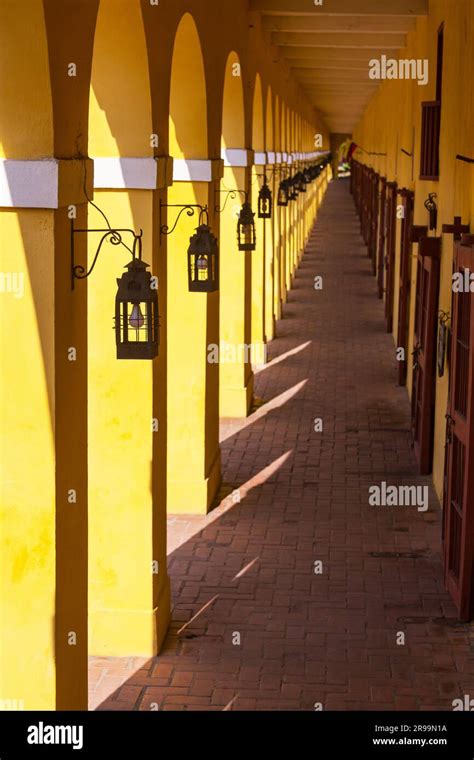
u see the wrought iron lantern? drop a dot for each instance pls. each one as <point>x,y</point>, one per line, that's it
<point>203,250</point>
<point>265,201</point>
<point>246,236</point>
<point>293,189</point>
<point>301,182</point>
<point>308,175</point>
<point>283,193</point>
<point>136,301</point>
<point>136,312</point>
<point>203,261</point>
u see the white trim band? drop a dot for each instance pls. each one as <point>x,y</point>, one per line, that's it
<point>44,183</point>
<point>125,173</point>
<point>192,170</point>
<point>237,157</point>
<point>29,184</point>
<point>260,158</point>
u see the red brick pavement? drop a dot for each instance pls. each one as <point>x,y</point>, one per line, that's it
<point>247,569</point>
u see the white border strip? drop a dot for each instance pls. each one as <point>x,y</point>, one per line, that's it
<point>237,157</point>
<point>125,173</point>
<point>192,170</point>
<point>29,184</point>
<point>260,158</point>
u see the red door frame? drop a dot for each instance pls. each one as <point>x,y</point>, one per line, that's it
<point>374,219</point>
<point>424,364</point>
<point>391,218</point>
<point>404,282</point>
<point>381,235</point>
<point>459,496</point>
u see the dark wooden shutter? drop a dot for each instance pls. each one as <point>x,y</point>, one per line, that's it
<point>430,126</point>
<point>425,343</point>
<point>404,281</point>
<point>391,232</point>
<point>459,495</point>
<point>381,236</point>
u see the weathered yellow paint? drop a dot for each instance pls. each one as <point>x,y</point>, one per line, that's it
<point>27,428</point>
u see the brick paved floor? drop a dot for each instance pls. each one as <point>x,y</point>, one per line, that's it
<point>247,569</point>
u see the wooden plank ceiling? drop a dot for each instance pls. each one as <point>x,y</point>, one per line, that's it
<point>328,47</point>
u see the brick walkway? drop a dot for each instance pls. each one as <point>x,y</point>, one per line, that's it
<point>247,569</point>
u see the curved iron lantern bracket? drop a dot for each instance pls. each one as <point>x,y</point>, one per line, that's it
<point>189,208</point>
<point>229,194</point>
<point>78,272</point>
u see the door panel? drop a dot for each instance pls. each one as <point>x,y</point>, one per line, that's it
<point>424,364</point>
<point>404,281</point>
<point>391,229</point>
<point>381,236</point>
<point>459,494</point>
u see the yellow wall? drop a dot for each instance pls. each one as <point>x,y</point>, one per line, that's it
<point>380,131</point>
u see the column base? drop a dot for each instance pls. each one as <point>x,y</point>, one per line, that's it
<point>139,633</point>
<point>194,497</point>
<point>236,402</point>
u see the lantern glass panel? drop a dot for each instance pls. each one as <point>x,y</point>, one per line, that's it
<point>265,203</point>
<point>203,261</point>
<point>136,314</point>
<point>246,229</point>
<point>283,194</point>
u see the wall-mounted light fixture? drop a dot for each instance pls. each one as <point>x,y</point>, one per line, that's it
<point>300,179</point>
<point>432,208</point>
<point>246,235</point>
<point>136,301</point>
<point>293,186</point>
<point>265,201</point>
<point>203,251</point>
<point>283,193</point>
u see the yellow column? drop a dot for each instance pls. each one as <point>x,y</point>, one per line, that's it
<point>191,321</point>
<point>270,244</point>
<point>43,451</point>
<point>129,606</point>
<point>259,278</point>
<point>236,377</point>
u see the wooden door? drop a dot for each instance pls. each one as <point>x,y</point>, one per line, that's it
<point>459,496</point>
<point>404,281</point>
<point>391,231</point>
<point>381,236</point>
<point>374,220</point>
<point>424,351</point>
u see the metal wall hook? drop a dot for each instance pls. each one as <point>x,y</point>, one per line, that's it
<point>78,272</point>
<point>229,194</point>
<point>189,208</point>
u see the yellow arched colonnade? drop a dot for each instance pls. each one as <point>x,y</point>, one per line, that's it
<point>134,105</point>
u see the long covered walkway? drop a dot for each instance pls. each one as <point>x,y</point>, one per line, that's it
<point>295,592</point>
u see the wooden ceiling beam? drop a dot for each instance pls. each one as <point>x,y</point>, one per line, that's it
<point>333,54</point>
<point>346,75</point>
<point>352,24</point>
<point>298,65</point>
<point>338,40</point>
<point>342,7</point>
